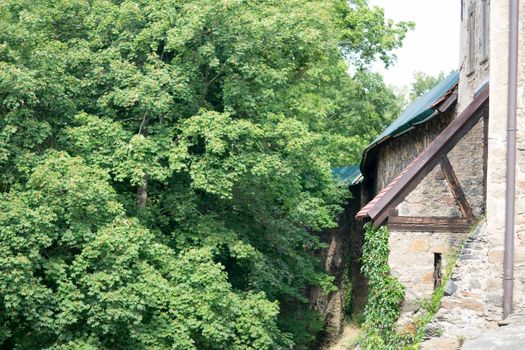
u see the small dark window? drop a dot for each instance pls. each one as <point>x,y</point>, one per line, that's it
<point>438,273</point>
<point>485,21</point>
<point>471,32</point>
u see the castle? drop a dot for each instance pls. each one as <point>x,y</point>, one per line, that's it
<point>447,178</point>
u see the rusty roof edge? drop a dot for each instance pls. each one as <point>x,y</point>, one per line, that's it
<point>445,96</point>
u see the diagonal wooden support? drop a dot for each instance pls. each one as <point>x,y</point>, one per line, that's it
<point>455,187</point>
<point>395,192</point>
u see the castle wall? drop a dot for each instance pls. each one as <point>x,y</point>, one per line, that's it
<point>474,63</point>
<point>497,149</point>
<point>474,302</point>
<point>412,254</point>
<point>412,258</point>
<point>394,155</point>
<point>341,259</point>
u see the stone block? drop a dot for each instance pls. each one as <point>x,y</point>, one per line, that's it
<point>450,288</point>
<point>433,330</point>
<point>470,294</point>
<point>419,245</point>
<point>494,283</point>
<point>475,284</point>
<point>519,256</point>
<point>496,256</point>
<point>428,278</point>
<point>441,249</point>
<point>471,304</point>
<point>494,299</point>
<point>441,344</point>
<point>448,304</point>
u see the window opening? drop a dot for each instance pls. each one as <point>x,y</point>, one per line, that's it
<point>438,273</point>
<point>471,30</point>
<point>485,29</point>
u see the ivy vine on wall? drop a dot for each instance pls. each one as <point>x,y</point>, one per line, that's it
<point>386,293</point>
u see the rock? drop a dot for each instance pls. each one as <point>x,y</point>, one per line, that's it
<point>440,249</point>
<point>411,303</point>
<point>428,278</point>
<point>441,344</point>
<point>496,256</point>
<point>510,337</point>
<point>419,245</point>
<point>475,284</point>
<point>409,328</point>
<point>450,288</point>
<point>445,304</point>
<point>471,304</point>
<point>494,299</point>
<point>433,330</point>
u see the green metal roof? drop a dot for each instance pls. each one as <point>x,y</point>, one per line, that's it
<point>419,111</point>
<point>350,175</point>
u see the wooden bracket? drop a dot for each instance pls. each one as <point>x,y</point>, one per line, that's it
<point>436,223</point>
<point>455,187</point>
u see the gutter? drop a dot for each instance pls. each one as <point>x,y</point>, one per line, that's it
<point>510,193</point>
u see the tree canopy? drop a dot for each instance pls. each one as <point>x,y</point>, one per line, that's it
<point>423,83</point>
<point>164,163</point>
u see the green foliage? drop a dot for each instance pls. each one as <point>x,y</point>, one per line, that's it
<point>385,296</point>
<point>76,269</point>
<point>370,38</point>
<point>229,115</point>
<point>424,83</point>
<point>347,297</point>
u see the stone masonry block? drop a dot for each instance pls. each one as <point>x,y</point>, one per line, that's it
<point>419,245</point>
<point>428,278</point>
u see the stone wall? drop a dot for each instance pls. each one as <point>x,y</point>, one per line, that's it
<point>432,197</point>
<point>471,79</point>
<point>497,151</point>
<point>341,260</point>
<point>472,302</point>
<point>468,159</point>
<point>411,259</point>
<point>394,155</point>
<point>412,253</point>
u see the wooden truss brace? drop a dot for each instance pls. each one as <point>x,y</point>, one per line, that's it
<point>382,207</point>
<point>436,223</point>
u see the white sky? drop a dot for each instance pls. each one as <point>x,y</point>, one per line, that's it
<point>432,47</point>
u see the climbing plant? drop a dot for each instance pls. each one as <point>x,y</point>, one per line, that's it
<point>385,296</point>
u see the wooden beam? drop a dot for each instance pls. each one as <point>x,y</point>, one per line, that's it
<point>429,224</point>
<point>427,160</point>
<point>455,187</point>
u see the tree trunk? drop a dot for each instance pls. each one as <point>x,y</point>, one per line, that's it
<point>142,190</point>
<point>142,193</point>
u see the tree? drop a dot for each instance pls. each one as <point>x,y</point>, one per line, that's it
<point>423,83</point>
<point>164,162</point>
